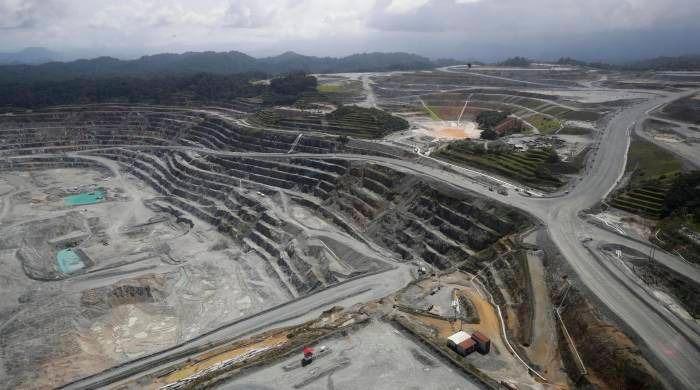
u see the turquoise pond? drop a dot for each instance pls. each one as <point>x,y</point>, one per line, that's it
<point>84,198</point>
<point>69,261</point>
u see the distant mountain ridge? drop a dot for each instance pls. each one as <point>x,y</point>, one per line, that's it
<point>680,63</point>
<point>211,62</point>
<point>689,62</point>
<point>29,55</point>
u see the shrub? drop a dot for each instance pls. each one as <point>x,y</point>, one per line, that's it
<point>489,134</point>
<point>490,119</point>
<point>684,193</point>
<point>372,116</point>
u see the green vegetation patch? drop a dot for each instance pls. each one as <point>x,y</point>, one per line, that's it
<point>685,110</point>
<point>557,111</point>
<point>341,88</point>
<point>533,167</point>
<point>544,124</point>
<point>679,234</point>
<point>329,88</point>
<point>663,278</point>
<point>290,88</point>
<point>487,120</point>
<point>679,231</point>
<point>588,116</point>
<point>650,162</point>
<point>267,117</point>
<point>646,200</point>
<point>526,102</point>
<point>575,131</point>
<point>431,113</point>
<point>684,197</point>
<point>337,92</point>
<point>346,120</point>
<point>173,89</point>
<point>378,121</point>
<point>655,173</point>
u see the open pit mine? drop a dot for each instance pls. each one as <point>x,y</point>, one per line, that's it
<point>127,230</point>
<point>454,228</point>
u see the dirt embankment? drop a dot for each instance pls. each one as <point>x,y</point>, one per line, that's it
<point>214,366</point>
<point>612,359</point>
<point>517,281</point>
<point>507,279</point>
<point>664,279</point>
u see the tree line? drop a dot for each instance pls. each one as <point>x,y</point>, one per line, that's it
<point>222,63</point>
<point>684,196</point>
<point>174,89</point>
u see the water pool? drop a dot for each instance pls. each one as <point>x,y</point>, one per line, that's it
<point>69,261</point>
<point>84,198</point>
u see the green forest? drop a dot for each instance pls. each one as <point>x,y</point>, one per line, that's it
<point>202,87</point>
<point>221,63</point>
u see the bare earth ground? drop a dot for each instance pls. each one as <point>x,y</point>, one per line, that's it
<point>212,287</point>
<point>379,357</point>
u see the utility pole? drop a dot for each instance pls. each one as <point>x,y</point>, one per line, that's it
<point>563,299</point>
<point>456,310</point>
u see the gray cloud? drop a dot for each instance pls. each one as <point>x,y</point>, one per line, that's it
<point>457,28</point>
<point>26,14</point>
<point>251,13</point>
<point>501,17</point>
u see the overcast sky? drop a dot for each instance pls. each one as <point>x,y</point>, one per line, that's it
<point>486,29</point>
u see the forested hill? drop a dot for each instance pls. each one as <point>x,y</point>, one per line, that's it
<point>687,62</point>
<point>680,63</point>
<point>210,62</point>
<point>167,89</point>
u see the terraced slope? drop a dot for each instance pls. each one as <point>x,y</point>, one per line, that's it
<point>420,221</point>
<point>448,105</point>
<point>404,214</point>
<point>347,120</point>
<point>75,129</point>
<point>530,167</point>
<point>646,200</point>
<point>652,171</point>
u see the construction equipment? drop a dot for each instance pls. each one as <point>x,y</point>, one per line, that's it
<point>308,356</point>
